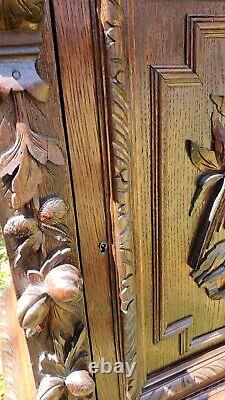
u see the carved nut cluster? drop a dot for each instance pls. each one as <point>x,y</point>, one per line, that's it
<point>78,383</point>
<point>49,220</point>
<point>63,375</point>
<point>50,295</point>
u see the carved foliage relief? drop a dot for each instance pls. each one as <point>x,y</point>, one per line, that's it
<point>206,260</point>
<point>113,22</point>
<point>52,300</point>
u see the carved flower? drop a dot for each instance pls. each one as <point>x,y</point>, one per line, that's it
<point>19,166</point>
<point>63,375</point>
<point>49,221</point>
<point>50,296</point>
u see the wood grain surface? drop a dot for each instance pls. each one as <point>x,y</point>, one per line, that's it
<point>77,73</point>
<point>162,175</point>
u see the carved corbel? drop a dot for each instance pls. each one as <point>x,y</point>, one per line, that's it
<point>20,46</point>
<point>52,302</point>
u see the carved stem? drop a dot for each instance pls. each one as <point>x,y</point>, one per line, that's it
<point>20,108</point>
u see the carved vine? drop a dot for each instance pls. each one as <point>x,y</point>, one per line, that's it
<point>52,298</point>
<point>208,263</point>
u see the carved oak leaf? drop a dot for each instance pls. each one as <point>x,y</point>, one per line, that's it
<point>62,371</point>
<point>21,162</point>
<point>46,294</point>
<point>31,229</point>
<point>205,160</point>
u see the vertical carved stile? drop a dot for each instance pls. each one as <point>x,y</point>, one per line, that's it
<point>51,304</point>
<point>112,17</point>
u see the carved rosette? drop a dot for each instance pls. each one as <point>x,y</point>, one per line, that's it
<point>112,17</point>
<point>207,261</point>
<point>54,292</point>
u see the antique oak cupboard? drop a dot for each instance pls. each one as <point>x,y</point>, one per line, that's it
<point>112,169</point>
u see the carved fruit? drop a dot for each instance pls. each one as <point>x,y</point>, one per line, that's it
<point>80,383</point>
<point>51,388</point>
<point>53,210</point>
<point>20,226</point>
<point>64,283</point>
<point>33,307</point>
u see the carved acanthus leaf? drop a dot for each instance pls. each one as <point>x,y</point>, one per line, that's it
<point>20,162</point>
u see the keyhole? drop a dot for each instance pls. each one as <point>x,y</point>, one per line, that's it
<point>103,247</point>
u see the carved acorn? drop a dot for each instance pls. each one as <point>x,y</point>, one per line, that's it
<point>48,291</point>
<point>80,383</point>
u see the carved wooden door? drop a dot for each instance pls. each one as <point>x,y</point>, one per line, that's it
<point>112,201</point>
<point>169,59</point>
<point>56,238</point>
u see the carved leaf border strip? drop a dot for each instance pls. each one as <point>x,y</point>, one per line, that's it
<point>114,26</point>
<point>208,263</point>
<point>54,290</point>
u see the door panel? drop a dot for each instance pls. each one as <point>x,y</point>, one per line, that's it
<point>177,63</point>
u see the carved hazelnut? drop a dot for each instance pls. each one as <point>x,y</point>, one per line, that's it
<point>63,283</point>
<point>53,210</point>
<point>32,313</point>
<point>80,383</point>
<point>51,388</point>
<point>20,226</point>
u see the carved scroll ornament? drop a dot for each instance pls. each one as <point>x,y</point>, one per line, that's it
<point>52,301</point>
<point>208,263</point>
